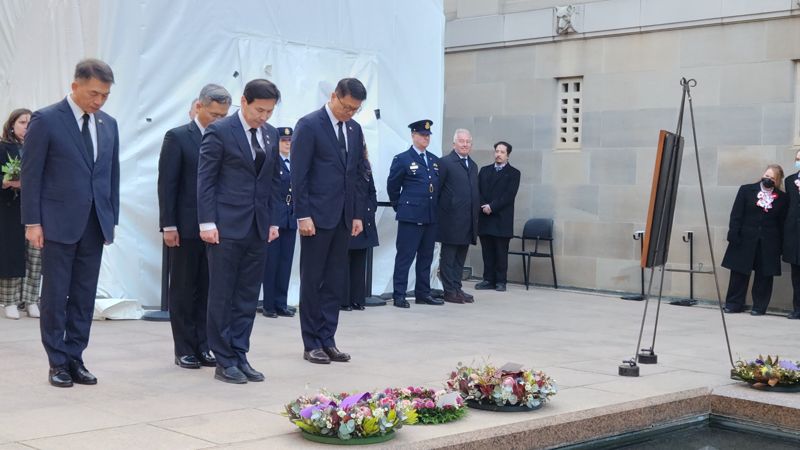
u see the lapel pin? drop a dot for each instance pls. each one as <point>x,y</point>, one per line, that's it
<point>100,121</point>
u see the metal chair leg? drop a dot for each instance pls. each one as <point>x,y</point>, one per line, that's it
<point>553,264</point>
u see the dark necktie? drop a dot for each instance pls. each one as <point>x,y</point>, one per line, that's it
<point>424,160</point>
<point>466,163</point>
<point>260,154</point>
<point>87,138</point>
<point>342,142</point>
<point>288,168</point>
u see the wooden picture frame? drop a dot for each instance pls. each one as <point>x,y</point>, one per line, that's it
<point>663,193</point>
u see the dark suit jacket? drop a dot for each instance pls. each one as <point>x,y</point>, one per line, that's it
<point>791,227</point>
<point>325,186</point>
<point>409,187</point>
<point>177,180</point>
<point>369,237</point>
<point>229,192</point>
<point>498,190</point>
<point>285,210</point>
<point>60,183</point>
<point>458,201</point>
<point>751,225</point>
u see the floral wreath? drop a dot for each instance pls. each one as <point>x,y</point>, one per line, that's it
<point>433,407</point>
<point>769,371</point>
<point>506,386</point>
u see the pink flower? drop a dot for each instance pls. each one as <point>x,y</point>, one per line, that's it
<point>429,404</point>
<point>508,381</point>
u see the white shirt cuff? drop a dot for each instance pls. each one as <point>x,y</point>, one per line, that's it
<point>208,226</point>
<point>173,228</point>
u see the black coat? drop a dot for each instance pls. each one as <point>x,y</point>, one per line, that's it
<point>12,231</point>
<point>791,227</point>
<point>498,190</point>
<point>750,226</point>
<point>177,180</point>
<point>459,203</point>
<point>369,237</point>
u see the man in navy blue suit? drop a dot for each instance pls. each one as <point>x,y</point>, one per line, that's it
<point>238,182</point>
<point>329,195</point>
<point>177,200</point>
<point>413,188</point>
<point>280,252</point>
<point>70,205</point>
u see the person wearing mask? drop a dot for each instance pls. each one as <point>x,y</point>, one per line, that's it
<point>791,235</point>
<point>754,241</point>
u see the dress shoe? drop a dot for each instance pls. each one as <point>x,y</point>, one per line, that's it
<point>757,313</point>
<point>80,374</point>
<point>453,297</point>
<point>317,356</point>
<point>401,303</point>
<point>793,315</point>
<point>429,301</point>
<point>468,298</point>
<point>33,311</point>
<point>271,314</point>
<point>357,307</point>
<point>500,287</point>
<point>12,312</point>
<point>345,308</point>
<point>187,362</point>
<point>250,373</point>
<point>59,377</point>
<point>292,309</point>
<point>335,355</point>
<point>284,312</point>
<point>230,374</point>
<point>485,285</point>
<point>728,310</point>
<point>207,359</point>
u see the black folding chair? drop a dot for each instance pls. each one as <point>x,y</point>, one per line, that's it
<point>536,230</point>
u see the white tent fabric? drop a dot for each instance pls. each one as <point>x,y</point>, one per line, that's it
<point>163,51</point>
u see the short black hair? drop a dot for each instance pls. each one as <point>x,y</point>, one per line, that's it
<point>351,87</point>
<point>94,68</point>
<point>508,146</point>
<point>261,89</point>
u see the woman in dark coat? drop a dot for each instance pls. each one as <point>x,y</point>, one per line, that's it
<point>791,235</point>
<point>359,245</point>
<point>754,241</point>
<point>12,232</point>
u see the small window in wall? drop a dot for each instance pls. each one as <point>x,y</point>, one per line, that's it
<point>797,103</point>
<point>569,121</point>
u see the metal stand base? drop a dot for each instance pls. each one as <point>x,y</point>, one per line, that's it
<point>374,301</point>
<point>627,370</point>
<point>647,357</point>
<point>156,316</point>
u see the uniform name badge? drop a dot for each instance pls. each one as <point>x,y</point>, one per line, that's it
<point>414,167</point>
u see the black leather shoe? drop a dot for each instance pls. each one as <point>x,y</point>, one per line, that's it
<point>500,287</point>
<point>335,355</point>
<point>793,315</point>
<point>187,362</point>
<point>728,310</point>
<point>757,313</point>
<point>59,377</point>
<point>401,303</point>
<point>230,374</point>
<point>207,359</point>
<point>468,298</point>
<point>317,356</point>
<point>453,297</point>
<point>429,301</point>
<point>284,312</point>
<point>346,308</point>
<point>79,373</point>
<point>250,373</point>
<point>271,314</point>
<point>357,307</point>
<point>485,285</point>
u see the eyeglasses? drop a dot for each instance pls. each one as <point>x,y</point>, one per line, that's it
<point>347,108</point>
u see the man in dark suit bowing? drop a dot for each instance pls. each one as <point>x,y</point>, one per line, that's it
<point>238,183</point>
<point>458,214</point>
<point>327,155</point>
<point>498,184</point>
<point>177,200</point>
<point>70,206</point>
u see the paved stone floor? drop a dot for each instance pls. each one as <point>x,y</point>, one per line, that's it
<point>144,401</point>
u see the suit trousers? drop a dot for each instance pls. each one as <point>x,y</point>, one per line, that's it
<point>188,296</point>
<point>737,291</point>
<point>358,278</point>
<point>413,241</point>
<point>323,284</point>
<point>796,288</point>
<point>495,258</point>
<point>235,268</point>
<point>69,288</point>
<point>278,270</point>
<point>451,266</point>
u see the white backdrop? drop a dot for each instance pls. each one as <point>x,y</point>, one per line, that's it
<point>163,51</point>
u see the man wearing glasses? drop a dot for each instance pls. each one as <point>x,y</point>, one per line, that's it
<point>327,152</point>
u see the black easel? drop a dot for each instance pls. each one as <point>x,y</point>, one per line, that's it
<point>638,236</point>
<point>630,367</point>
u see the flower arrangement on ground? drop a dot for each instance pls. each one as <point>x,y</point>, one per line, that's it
<point>509,385</point>
<point>344,416</point>
<point>433,407</point>
<point>769,371</point>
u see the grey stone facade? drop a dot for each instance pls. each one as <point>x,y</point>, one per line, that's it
<point>745,64</point>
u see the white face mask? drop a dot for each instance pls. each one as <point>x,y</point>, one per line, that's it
<point>797,164</point>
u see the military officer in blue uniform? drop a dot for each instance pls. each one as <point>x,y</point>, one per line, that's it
<point>280,252</point>
<point>413,188</point>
